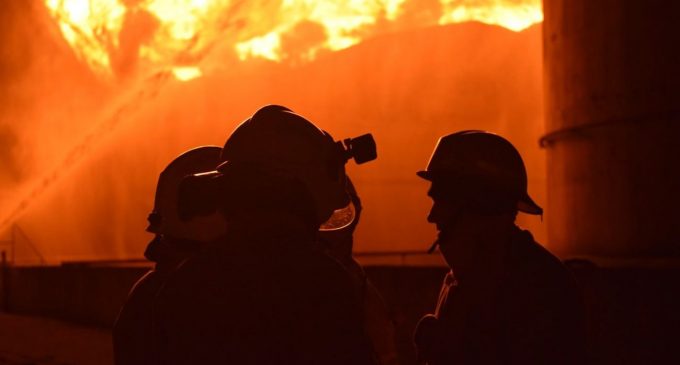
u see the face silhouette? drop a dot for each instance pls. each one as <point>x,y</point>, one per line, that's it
<point>458,230</point>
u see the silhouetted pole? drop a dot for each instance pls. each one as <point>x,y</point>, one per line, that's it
<point>4,282</point>
<point>612,85</point>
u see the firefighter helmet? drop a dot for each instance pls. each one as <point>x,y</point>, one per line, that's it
<point>279,144</point>
<point>484,159</point>
<point>164,218</point>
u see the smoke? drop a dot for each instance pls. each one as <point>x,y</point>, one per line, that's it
<point>9,169</point>
<point>14,61</point>
<point>46,97</point>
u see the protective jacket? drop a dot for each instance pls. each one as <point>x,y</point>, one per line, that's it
<point>379,322</point>
<point>132,330</point>
<point>529,313</point>
<point>262,296</point>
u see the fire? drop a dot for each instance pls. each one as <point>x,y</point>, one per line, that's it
<point>515,15</point>
<point>115,36</point>
<point>186,73</point>
<point>89,27</point>
<point>118,37</point>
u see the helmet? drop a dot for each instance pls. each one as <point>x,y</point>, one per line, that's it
<point>165,219</point>
<point>481,159</point>
<point>282,147</point>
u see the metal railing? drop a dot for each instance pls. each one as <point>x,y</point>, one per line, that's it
<point>369,258</point>
<point>19,237</point>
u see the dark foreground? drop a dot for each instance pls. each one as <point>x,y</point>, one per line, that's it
<point>41,341</point>
<point>633,310</point>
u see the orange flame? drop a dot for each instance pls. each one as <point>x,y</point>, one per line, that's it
<point>116,37</point>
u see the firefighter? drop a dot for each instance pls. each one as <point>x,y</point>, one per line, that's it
<point>378,321</point>
<point>265,294</point>
<point>174,241</point>
<point>506,300</point>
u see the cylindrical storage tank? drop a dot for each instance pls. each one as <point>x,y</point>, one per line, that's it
<point>612,85</point>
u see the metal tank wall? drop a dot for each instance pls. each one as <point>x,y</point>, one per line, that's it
<point>612,85</point>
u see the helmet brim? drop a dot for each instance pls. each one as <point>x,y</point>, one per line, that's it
<point>528,206</point>
<point>524,205</point>
<point>427,175</point>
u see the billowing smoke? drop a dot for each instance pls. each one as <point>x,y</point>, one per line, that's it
<point>47,98</point>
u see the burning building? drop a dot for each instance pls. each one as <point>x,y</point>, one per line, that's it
<point>107,92</point>
<point>98,96</point>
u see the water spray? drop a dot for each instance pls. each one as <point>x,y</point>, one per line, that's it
<point>145,91</point>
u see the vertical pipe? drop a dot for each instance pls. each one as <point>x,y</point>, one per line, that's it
<point>4,282</point>
<point>612,85</point>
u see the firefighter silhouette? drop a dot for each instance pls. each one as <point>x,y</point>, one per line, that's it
<point>174,241</point>
<point>265,294</point>
<point>506,300</point>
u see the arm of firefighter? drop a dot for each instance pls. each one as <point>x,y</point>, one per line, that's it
<point>380,326</point>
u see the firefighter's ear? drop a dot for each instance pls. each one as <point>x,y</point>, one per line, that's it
<point>196,197</point>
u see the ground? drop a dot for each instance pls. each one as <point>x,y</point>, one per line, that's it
<point>40,341</point>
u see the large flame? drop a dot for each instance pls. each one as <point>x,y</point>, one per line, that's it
<point>116,37</point>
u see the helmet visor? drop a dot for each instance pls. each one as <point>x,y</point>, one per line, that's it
<point>341,218</point>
